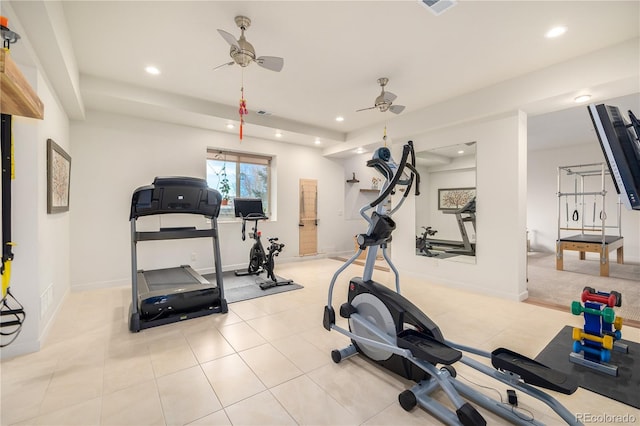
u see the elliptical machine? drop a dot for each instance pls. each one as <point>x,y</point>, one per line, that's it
<point>250,209</point>
<point>392,332</point>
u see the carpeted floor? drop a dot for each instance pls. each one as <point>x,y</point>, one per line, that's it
<point>557,289</point>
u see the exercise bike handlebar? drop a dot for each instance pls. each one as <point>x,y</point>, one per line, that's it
<point>252,216</point>
<point>255,216</point>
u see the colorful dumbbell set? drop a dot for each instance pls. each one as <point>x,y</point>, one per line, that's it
<point>593,344</point>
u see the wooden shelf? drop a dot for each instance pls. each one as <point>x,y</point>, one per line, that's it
<point>18,97</point>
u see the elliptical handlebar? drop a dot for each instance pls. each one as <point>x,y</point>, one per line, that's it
<point>384,167</point>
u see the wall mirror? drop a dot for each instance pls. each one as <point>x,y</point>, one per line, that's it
<point>446,207</point>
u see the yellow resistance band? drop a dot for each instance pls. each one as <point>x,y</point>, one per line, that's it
<point>6,275</point>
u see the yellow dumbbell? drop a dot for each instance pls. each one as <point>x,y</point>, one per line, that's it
<point>606,340</point>
<point>617,323</point>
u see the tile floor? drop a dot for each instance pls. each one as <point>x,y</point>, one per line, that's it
<point>266,362</point>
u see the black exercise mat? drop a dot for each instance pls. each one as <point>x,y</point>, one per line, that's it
<point>237,288</point>
<point>438,254</point>
<point>623,388</point>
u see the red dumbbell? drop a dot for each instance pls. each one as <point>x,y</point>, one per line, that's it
<point>609,300</point>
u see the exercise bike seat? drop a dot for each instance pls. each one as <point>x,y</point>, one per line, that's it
<point>426,348</point>
<point>532,371</point>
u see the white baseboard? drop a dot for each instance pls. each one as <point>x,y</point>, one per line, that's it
<point>126,282</point>
<point>44,334</point>
<point>469,287</point>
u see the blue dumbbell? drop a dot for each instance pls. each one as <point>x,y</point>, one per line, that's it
<point>604,354</point>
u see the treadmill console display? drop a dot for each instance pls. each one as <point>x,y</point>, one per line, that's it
<point>176,195</point>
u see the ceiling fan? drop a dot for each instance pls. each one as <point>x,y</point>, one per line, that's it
<point>243,53</point>
<point>384,102</point>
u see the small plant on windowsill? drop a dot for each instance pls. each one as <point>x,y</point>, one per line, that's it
<point>223,185</point>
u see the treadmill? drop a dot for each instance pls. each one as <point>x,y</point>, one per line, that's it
<point>466,213</point>
<point>175,294</point>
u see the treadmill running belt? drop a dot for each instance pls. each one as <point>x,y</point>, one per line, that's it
<point>169,278</point>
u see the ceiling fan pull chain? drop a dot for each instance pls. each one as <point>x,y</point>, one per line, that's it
<point>243,106</point>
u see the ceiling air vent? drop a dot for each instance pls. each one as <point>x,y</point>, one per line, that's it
<point>263,112</point>
<point>438,6</point>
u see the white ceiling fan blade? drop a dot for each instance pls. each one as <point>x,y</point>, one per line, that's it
<point>223,65</point>
<point>364,109</point>
<point>272,63</point>
<point>229,39</point>
<point>389,97</point>
<point>396,109</point>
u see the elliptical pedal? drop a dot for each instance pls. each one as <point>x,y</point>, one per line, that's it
<point>532,371</point>
<point>426,348</point>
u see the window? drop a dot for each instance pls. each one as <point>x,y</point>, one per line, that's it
<point>239,175</point>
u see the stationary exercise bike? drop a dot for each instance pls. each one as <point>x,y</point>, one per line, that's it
<point>250,209</point>
<point>392,332</point>
<point>422,242</point>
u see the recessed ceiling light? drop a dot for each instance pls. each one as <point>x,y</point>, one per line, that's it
<point>556,32</point>
<point>339,118</point>
<point>230,126</point>
<point>278,134</point>
<point>461,152</point>
<point>359,151</point>
<point>152,70</point>
<point>318,142</point>
<point>582,98</point>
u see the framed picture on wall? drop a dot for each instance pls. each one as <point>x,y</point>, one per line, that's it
<point>454,198</point>
<point>58,178</point>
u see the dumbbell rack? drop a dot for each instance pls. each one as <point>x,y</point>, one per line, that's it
<point>592,345</point>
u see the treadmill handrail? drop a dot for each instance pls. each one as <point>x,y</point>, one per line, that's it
<point>173,234</point>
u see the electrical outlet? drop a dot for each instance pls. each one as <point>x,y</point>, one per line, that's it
<point>194,256</point>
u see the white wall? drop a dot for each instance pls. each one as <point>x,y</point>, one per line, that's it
<point>41,254</point>
<point>542,209</point>
<point>501,191</point>
<point>354,197</point>
<point>113,155</point>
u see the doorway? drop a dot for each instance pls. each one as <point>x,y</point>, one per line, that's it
<point>308,225</point>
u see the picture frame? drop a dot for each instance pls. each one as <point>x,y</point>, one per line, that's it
<point>454,198</point>
<point>58,178</point>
